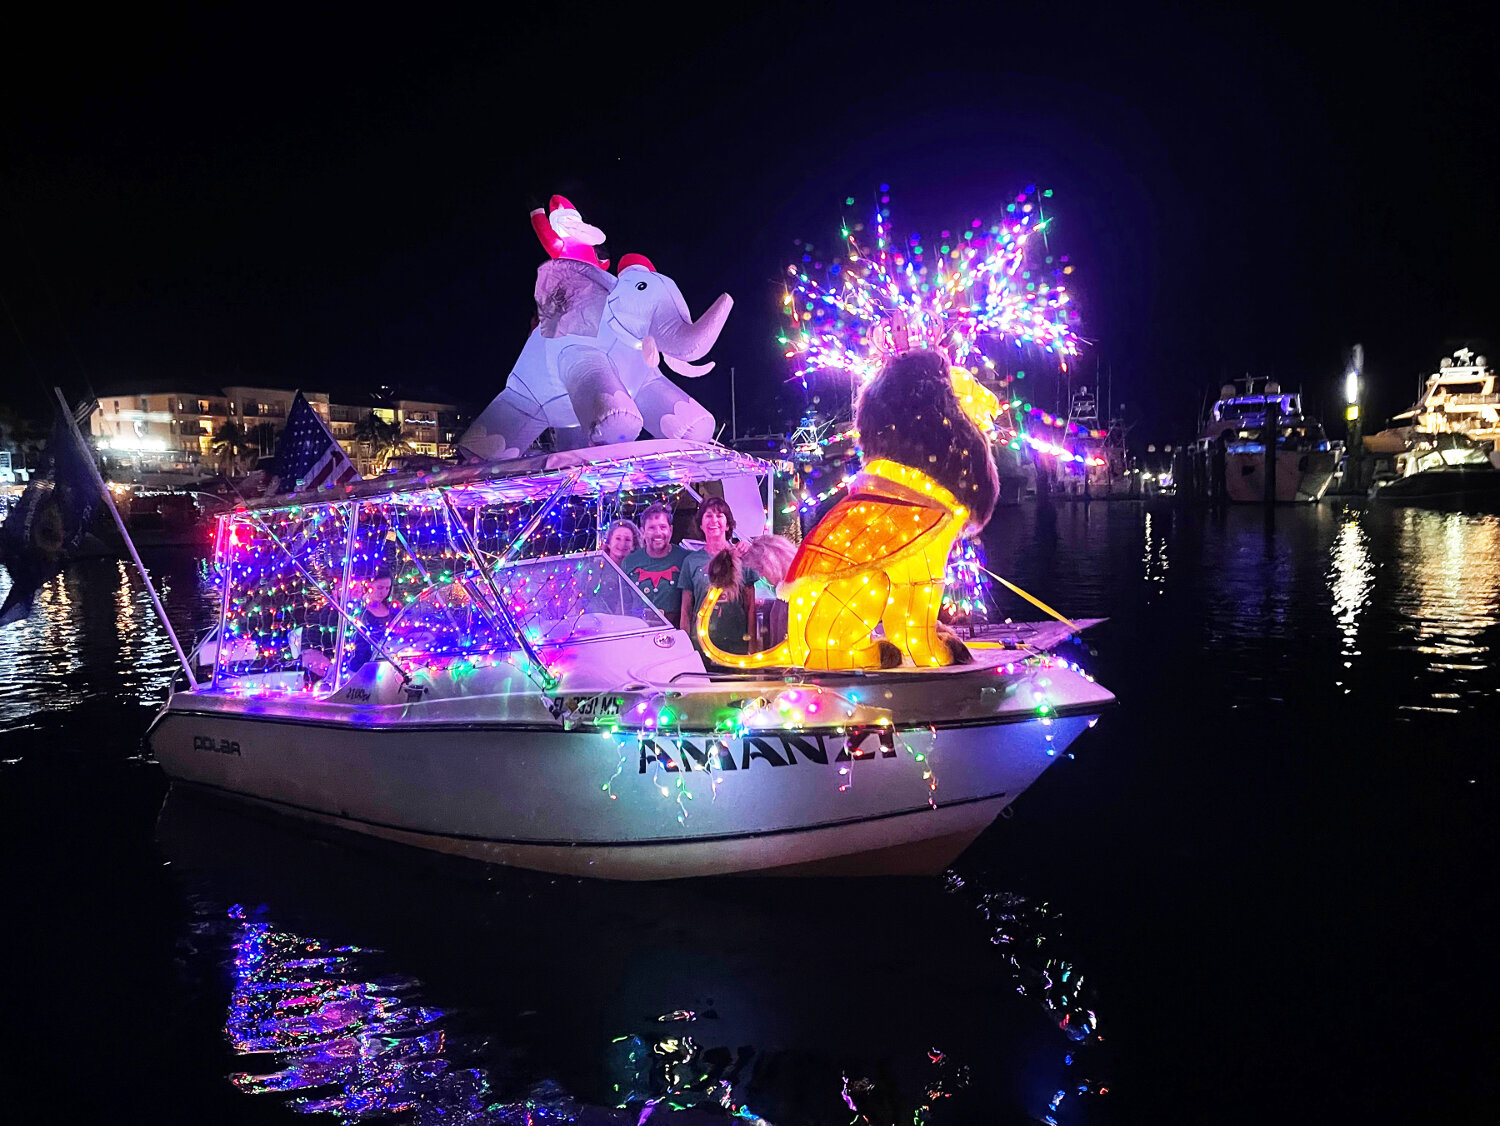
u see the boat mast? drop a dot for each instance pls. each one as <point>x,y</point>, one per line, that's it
<point>1109,398</point>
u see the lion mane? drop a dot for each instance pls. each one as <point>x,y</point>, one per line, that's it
<point>909,414</point>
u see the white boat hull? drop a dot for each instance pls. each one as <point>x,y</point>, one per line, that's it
<point>1301,477</point>
<point>614,806</point>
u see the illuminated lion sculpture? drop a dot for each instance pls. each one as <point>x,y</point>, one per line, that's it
<point>881,554</point>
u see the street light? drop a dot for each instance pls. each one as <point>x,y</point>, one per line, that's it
<point>1353,461</point>
<point>1351,383</point>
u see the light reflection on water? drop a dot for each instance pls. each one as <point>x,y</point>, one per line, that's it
<point>322,1028</point>
<point>334,1042</point>
<point>619,1003</point>
<point>1401,605</point>
<point>94,635</point>
<point>1154,557</point>
<point>1450,592</point>
<point>1350,577</point>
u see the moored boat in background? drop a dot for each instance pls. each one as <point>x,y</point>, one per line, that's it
<point>1304,462</point>
<point>166,517</point>
<point>1459,398</point>
<point>1442,471</point>
<point>1446,457</point>
<point>1102,469</point>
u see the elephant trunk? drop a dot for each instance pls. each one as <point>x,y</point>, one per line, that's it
<point>691,340</point>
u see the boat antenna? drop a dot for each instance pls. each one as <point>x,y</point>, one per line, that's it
<point>109,503</point>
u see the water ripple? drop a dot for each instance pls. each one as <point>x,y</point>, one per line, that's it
<point>324,1034</point>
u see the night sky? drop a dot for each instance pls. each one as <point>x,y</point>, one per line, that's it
<point>270,196</point>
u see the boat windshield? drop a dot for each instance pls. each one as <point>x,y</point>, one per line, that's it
<point>1301,435</point>
<point>1466,455</point>
<point>1446,450</point>
<point>1245,407</point>
<point>450,619</point>
<point>1474,388</point>
<point>575,598</point>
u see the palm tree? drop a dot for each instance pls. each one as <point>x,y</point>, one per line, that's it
<point>384,439</point>
<point>23,435</point>
<point>230,443</point>
<point>263,437</point>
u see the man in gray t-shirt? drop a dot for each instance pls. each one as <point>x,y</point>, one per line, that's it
<point>656,566</point>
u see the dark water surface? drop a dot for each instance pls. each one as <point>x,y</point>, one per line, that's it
<point>1256,894</point>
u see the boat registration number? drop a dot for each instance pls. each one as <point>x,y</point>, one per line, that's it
<point>593,707</point>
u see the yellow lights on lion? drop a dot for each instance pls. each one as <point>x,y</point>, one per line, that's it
<point>881,560</point>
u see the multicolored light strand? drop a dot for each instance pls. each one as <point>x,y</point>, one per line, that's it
<point>883,300</point>
<point>966,591</point>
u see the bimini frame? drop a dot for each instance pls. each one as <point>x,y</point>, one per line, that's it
<point>550,478</point>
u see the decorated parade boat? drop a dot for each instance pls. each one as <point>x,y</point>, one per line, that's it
<point>527,705</point>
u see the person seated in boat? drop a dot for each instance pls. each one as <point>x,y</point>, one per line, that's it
<point>732,626</point>
<point>655,565</point>
<point>620,540</point>
<point>373,616</point>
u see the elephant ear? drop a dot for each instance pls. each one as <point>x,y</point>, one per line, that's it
<point>570,297</point>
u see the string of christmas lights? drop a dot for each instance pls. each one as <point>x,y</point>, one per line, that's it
<point>966,593</point>
<point>873,302</point>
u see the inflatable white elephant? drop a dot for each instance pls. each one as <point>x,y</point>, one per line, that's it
<point>589,368</point>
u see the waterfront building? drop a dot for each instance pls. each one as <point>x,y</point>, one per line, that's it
<point>182,429</point>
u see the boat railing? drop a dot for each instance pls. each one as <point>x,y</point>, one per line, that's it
<point>1470,399</point>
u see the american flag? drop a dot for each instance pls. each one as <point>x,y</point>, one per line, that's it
<point>309,454</point>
